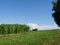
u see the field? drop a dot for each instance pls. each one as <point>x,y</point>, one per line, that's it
<point>51,37</point>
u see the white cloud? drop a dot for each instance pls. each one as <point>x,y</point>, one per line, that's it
<point>42,27</point>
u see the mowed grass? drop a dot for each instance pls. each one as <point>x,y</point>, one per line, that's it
<point>51,37</point>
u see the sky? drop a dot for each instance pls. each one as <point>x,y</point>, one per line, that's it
<point>38,12</point>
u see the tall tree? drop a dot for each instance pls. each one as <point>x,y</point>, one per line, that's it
<point>56,14</point>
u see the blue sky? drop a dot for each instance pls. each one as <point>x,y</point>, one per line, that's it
<point>26,11</point>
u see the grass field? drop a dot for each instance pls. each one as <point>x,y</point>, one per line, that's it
<point>51,37</point>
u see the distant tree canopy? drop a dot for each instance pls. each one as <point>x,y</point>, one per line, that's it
<point>56,9</point>
<point>35,30</point>
<point>13,28</point>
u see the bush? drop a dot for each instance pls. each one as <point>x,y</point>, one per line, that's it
<point>34,29</point>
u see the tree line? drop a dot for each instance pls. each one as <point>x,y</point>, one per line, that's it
<point>13,28</point>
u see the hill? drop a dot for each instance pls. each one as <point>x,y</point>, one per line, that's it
<point>48,37</point>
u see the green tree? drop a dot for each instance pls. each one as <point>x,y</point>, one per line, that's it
<point>13,28</point>
<point>56,9</point>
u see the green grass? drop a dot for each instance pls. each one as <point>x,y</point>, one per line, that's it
<point>32,38</point>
